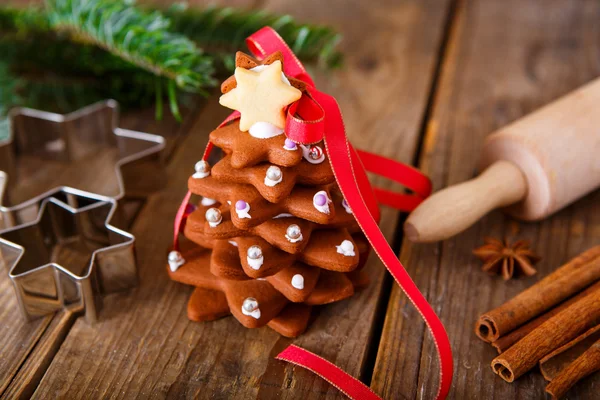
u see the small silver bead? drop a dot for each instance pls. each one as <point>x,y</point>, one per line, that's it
<point>175,260</point>
<point>250,304</point>
<point>202,167</point>
<point>293,231</point>
<point>174,256</point>
<point>213,215</point>
<point>274,173</point>
<point>255,252</point>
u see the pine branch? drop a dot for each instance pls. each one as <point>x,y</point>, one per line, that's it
<point>74,52</point>
<point>44,69</point>
<point>23,21</point>
<point>8,85</point>
<point>222,31</point>
<point>140,38</point>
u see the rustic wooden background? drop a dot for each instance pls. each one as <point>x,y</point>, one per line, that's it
<point>425,81</point>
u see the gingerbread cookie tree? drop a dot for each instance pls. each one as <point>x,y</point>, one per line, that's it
<point>272,234</point>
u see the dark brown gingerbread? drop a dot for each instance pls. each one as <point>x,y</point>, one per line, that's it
<point>303,173</point>
<point>207,305</point>
<point>300,203</point>
<point>331,287</point>
<point>321,252</point>
<point>296,282</point>
<point>274,231</point>
<point>272,236</point>
<point>292,320</point>
<point>270,301</point>
<point>247,151</point>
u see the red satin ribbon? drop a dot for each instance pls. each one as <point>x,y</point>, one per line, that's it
<point>346,384</point>
<point>315,117</point>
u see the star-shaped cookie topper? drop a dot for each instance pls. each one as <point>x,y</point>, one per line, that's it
<point>243,60</point>
<point>261,95</point>
<point>68,255</point>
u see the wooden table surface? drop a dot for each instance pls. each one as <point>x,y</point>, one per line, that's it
<point>424,82</point>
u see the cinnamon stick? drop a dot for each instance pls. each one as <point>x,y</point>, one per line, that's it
<point>504,342</point>
<point>569,279</point>
<point>555,362</point>
<point>555,332</point>
<point>583,366</point>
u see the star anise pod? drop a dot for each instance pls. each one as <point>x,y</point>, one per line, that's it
<point>508,259</point>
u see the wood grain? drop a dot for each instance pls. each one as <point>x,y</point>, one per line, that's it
<point>504,59</point>
<point>145,346</point>
<point>28,347</point>
<point>18,335</point>
<point>34,367</point>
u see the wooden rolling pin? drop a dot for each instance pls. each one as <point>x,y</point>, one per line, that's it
<point>533,167</point>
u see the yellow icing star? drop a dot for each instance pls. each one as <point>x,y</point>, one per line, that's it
<point>260,96</point>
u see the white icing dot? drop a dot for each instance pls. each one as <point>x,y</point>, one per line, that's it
<point>243,213</point>
<point>321,202</point>
<point>346,206</point>
<point>56,145</point>
<point>255,264</point>
<point>260,68</point>
<point>298,239</point>
<point>273,176</point>
<point>293,234</point>
<point>215,224</point>
<point>231,242</point>
<point>213,217</point>
<point>283,215</point>
<point>264,130</point>
<point>298,281</point>
<point>207,202</point>
<point>175,260</point>
<point>346,248</point>
<point>250,307</point>
<point>254,314</point>
<point>202,170</point>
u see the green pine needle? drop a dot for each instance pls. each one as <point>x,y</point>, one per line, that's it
<point>140,38</point>
<point>173,101</point>
<point>159,101</point>
<point>223,31</point>
<point>74,52</point>
<point>23,21</point>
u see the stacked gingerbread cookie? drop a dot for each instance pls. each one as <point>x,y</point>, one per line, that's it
<point>272,234</point>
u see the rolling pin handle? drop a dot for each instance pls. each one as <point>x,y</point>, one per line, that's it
<point>454,209</point>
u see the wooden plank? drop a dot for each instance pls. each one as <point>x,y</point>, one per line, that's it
<point>20,337</point>
<point>173,132</point>
<point>39,340</point>
<point>36,363</point>
<point>145,346</point>
<point>504,60</point>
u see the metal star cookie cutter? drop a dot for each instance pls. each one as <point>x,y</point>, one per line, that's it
<point>75,138</point>
<point>68,255</point>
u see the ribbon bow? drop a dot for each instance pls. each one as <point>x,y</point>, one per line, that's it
<point>317,117</point>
